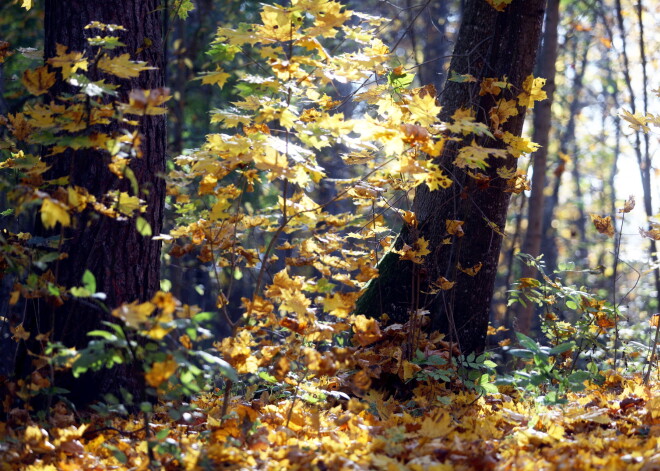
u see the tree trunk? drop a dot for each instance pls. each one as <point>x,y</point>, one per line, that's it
<point>567,146</point>
<point>126,264</point>
<point>489,44</point>
<point>542,124</point>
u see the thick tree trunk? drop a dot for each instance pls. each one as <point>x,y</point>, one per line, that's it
<point>126,264</point>
<point>489,44</point>
<point>542,123</point>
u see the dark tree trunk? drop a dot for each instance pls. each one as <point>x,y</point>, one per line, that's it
<point>126,264</point>
<point>489,44</point>
<point>542,124</point>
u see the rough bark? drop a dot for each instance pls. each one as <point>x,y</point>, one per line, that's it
<point>126,265</point>
<point>489,44</point>
<point>546,68</point>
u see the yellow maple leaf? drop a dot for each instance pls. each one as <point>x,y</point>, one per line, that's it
<point>122,66</point>
<point>366,330</point>
<point>417,252</point>
<point>27,4</point>
<point>219,77</point>
<point>329,17</point>
<point>39,80</point>
<point>146,102</point>
<point>127,204</point>
<point>68,63</point>
<point>160,372</point>
<point>519,145</point>
<point>435,178</point>
<point>279,24</point>
<point>340,304</point>
<point>54,211</point>
<point>502,111</point>
<point>532,91</point>
<point>636,121</point>
<point>424,109</point>
<point>474,156</point>
<point>134,314</point>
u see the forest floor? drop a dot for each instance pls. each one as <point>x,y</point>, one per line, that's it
<point>612,426</point>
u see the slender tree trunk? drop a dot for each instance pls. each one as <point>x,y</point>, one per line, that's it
<point>546,66</point>
<point>489,44</point>
<point>436,46</point>
<point>566,145</point>
<point>125,263</point>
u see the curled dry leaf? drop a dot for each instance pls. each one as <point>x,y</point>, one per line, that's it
<point>603,224</point>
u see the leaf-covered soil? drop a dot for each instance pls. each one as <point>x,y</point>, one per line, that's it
<point>614,426</point>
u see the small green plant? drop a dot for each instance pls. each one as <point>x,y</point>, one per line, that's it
<point>474,371</point>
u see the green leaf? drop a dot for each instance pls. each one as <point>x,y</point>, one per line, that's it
<point>571,305</point>
<point>225,368</point>
<point>398,81</point>
<point>528,343</point>
<point>103,334</point>
<point>143,227</point>
<point>489,364</point>
<point>561,348</point>
<point>579,377</point>
<point>521,353</point>
<point>89,282</point>
<point>79,292</point>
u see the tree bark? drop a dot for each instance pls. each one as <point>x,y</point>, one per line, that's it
<point>126,264</point>
<point>489,44</point>
<point>542,124</point>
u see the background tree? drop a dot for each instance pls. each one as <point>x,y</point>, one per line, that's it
<point>490,43</point>
<point>541,135</point>
<point>125,263</point>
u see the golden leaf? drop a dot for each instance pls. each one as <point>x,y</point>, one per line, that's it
<point>470,271</point>
<point>366,330</point>
<point>19,333</point>
<point>444,284</point>
<point>424,110</point>
<point>502,111</point>
<point>160,372</point>
<point>455,227</point>
<point>499,5</point>
<point>219,77</point>
<point>53,211</point>
<point>39,80</point>
<point>134,314</point>
<point>68,63</point>
<point>629,205</point>
<point>408,370</point>
<point>532,91</point>
<point>122,66</point>
<point>603,224</point>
